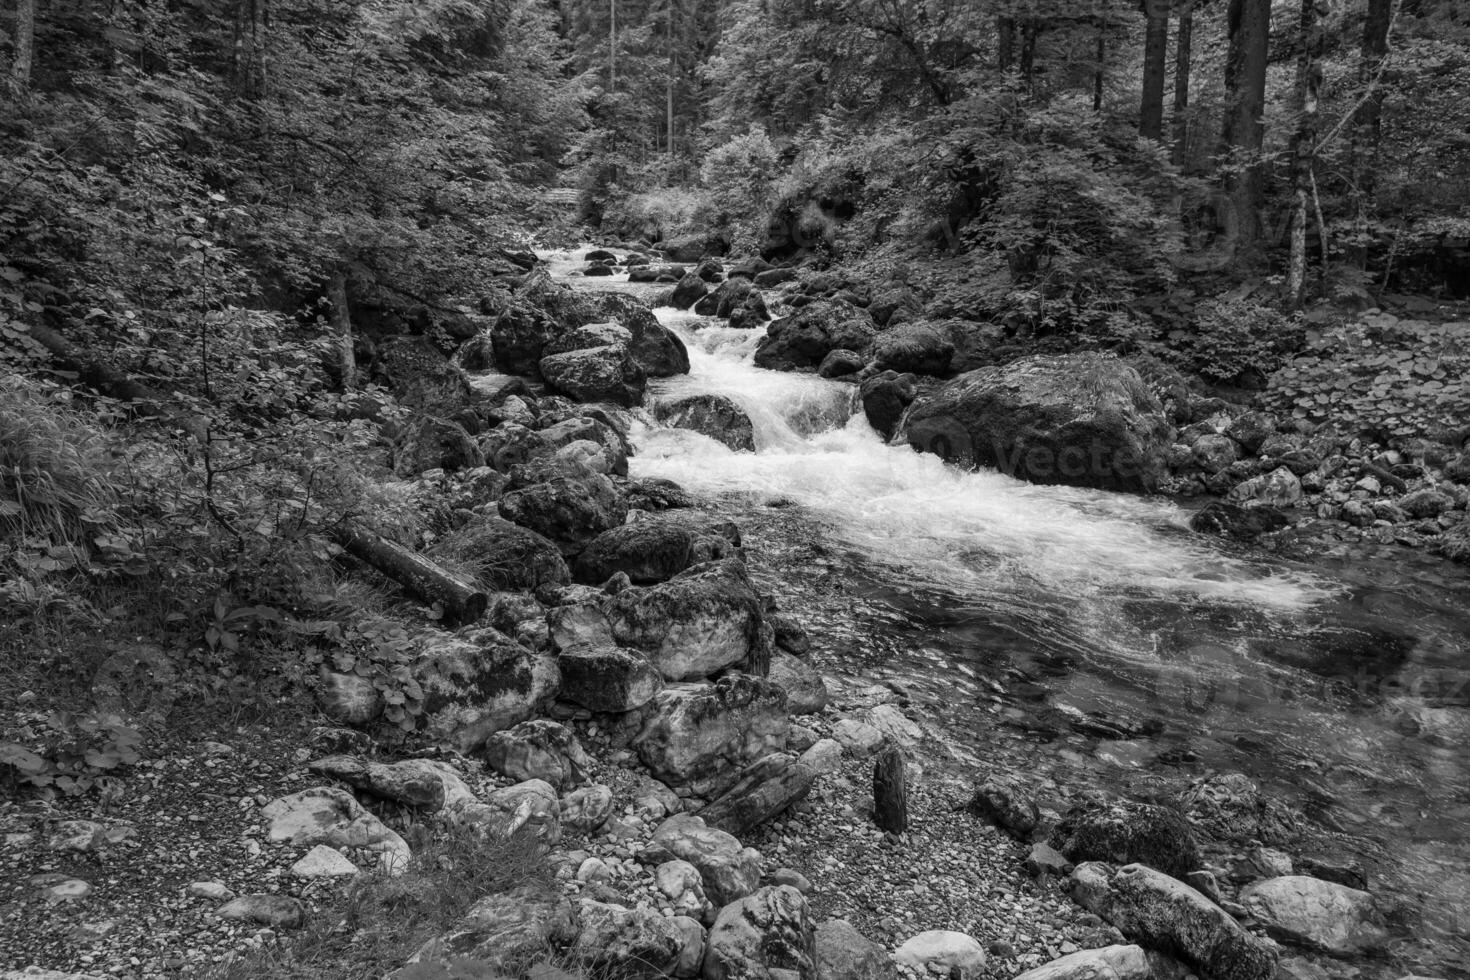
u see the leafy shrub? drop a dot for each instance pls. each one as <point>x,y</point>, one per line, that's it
<point>70,753</point>
<point>659,213</point>
<point>1234,338</point>
<point>1380,374</point>
<point>738,176</point>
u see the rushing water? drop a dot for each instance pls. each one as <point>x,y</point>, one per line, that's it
<point>1092,638</point>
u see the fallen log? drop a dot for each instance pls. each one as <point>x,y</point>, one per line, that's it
<point>461,601</point>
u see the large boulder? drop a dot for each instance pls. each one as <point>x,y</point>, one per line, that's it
<point>1105,963</point>
<point>422,783</point>
<point>806,692</point>
<point>528,810</point>
<point>432,443</point>
<point>1078,419</point>
<point>570,512</point>
<point>1229,520</point>
<point>519,337</point>
<point>713,415</point>
<point>703,620</point>
<point>653,549</point>
<point>608,678</point>
<point>885,397</point>
<point>727,870</point>
<point>845,954</point>
<point>765,788</point>
<point>809,335</point>
<point>504,557</point>
<point>654,347</point>
<point>691,247</point>
<point>1278,488</point>
<point>762,937</point>
<point>596,374</point>
<point>1320,915</point>
<point>478,683</point>
<point>640,941</point>
<point>538,749</point>
<point>1162,913</point>
<point>943,952</point>
<point>421,377</point>
<point>508,931</point>
<point>689,291</point>
<point>1129,833</point>
<point>918,347</point>
<point>702,736</point>
<point>1231,807</point>
<point>726,298</point>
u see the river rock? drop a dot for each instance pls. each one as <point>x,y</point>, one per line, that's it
<point>1320,915</point>
<point>703,620</point>
<point>762,936</point>
<point>324,862</point>
<point>726,298</point>
<point>587,808</point>
<point>654,347</point>
<point>480,682</point>
<point>888,302</point>
<point>690,290</point>
<point>843,953</point>
<point>1165,914</point>
<point>1006,803</point>
<point>420,377</point>
<point>942,951</point>
<point>1107,963</point>
<point>568,511</point>
<point>616,938</point>
<point>1231,807</point>
<point>806,337</point>
<point>508,931</point>
<point>657,494</point>
<point>538,749</point>
<point>1241,523</point>
<point>824,756</point>
<point>596,374</point>
<point>274,911</point>
<point>1129,833</point>
<point>432,443</point>
<point>608,678</point>
<point>884,398</point>
<point>681,884</point>
<point>1079,419</point>
<point>519,335</point>
<point>702,736</point>
<point>504,557</point>
<point>691,247</point>
<point>917,347</point>
<point>422,783</point>
<point>657,272</point>
<point>530,808</point>
<point>1278,488</point>
<point>764,789</point>
<point>1251,430</point>
<point>806,692</point>
<point>653,549</point>
<point>857,738</point>
<point>329,816</point>
<point>712,415</point>
<point>841,364</point>
<point>728,871</point>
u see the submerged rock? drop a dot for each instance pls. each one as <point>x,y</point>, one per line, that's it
<point>1077,419</point>
<point>1241,523</point>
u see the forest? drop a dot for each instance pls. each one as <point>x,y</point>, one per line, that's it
<point>776,489</point>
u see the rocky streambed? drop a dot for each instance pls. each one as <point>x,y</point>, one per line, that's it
<point>718,596</point>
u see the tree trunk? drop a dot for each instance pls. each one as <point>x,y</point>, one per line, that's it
<point>1102,60</point>
<point>1028,53</point>
<point>890,791</point>
<point>1368,123</point>
<point>1304,140</point>
<point>1155,50</point>
<point>1005,44</point>
<point>25,45</point>
<point>342,326</point>
<point>612,45</point>
<point>461,601</point>
<point>1249,26</point>
<point>1182,67</point>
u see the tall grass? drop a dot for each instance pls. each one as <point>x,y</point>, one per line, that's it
<point>56,474</point>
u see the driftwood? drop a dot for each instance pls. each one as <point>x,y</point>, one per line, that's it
<point>890,791</point>
<point>420,577</point>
